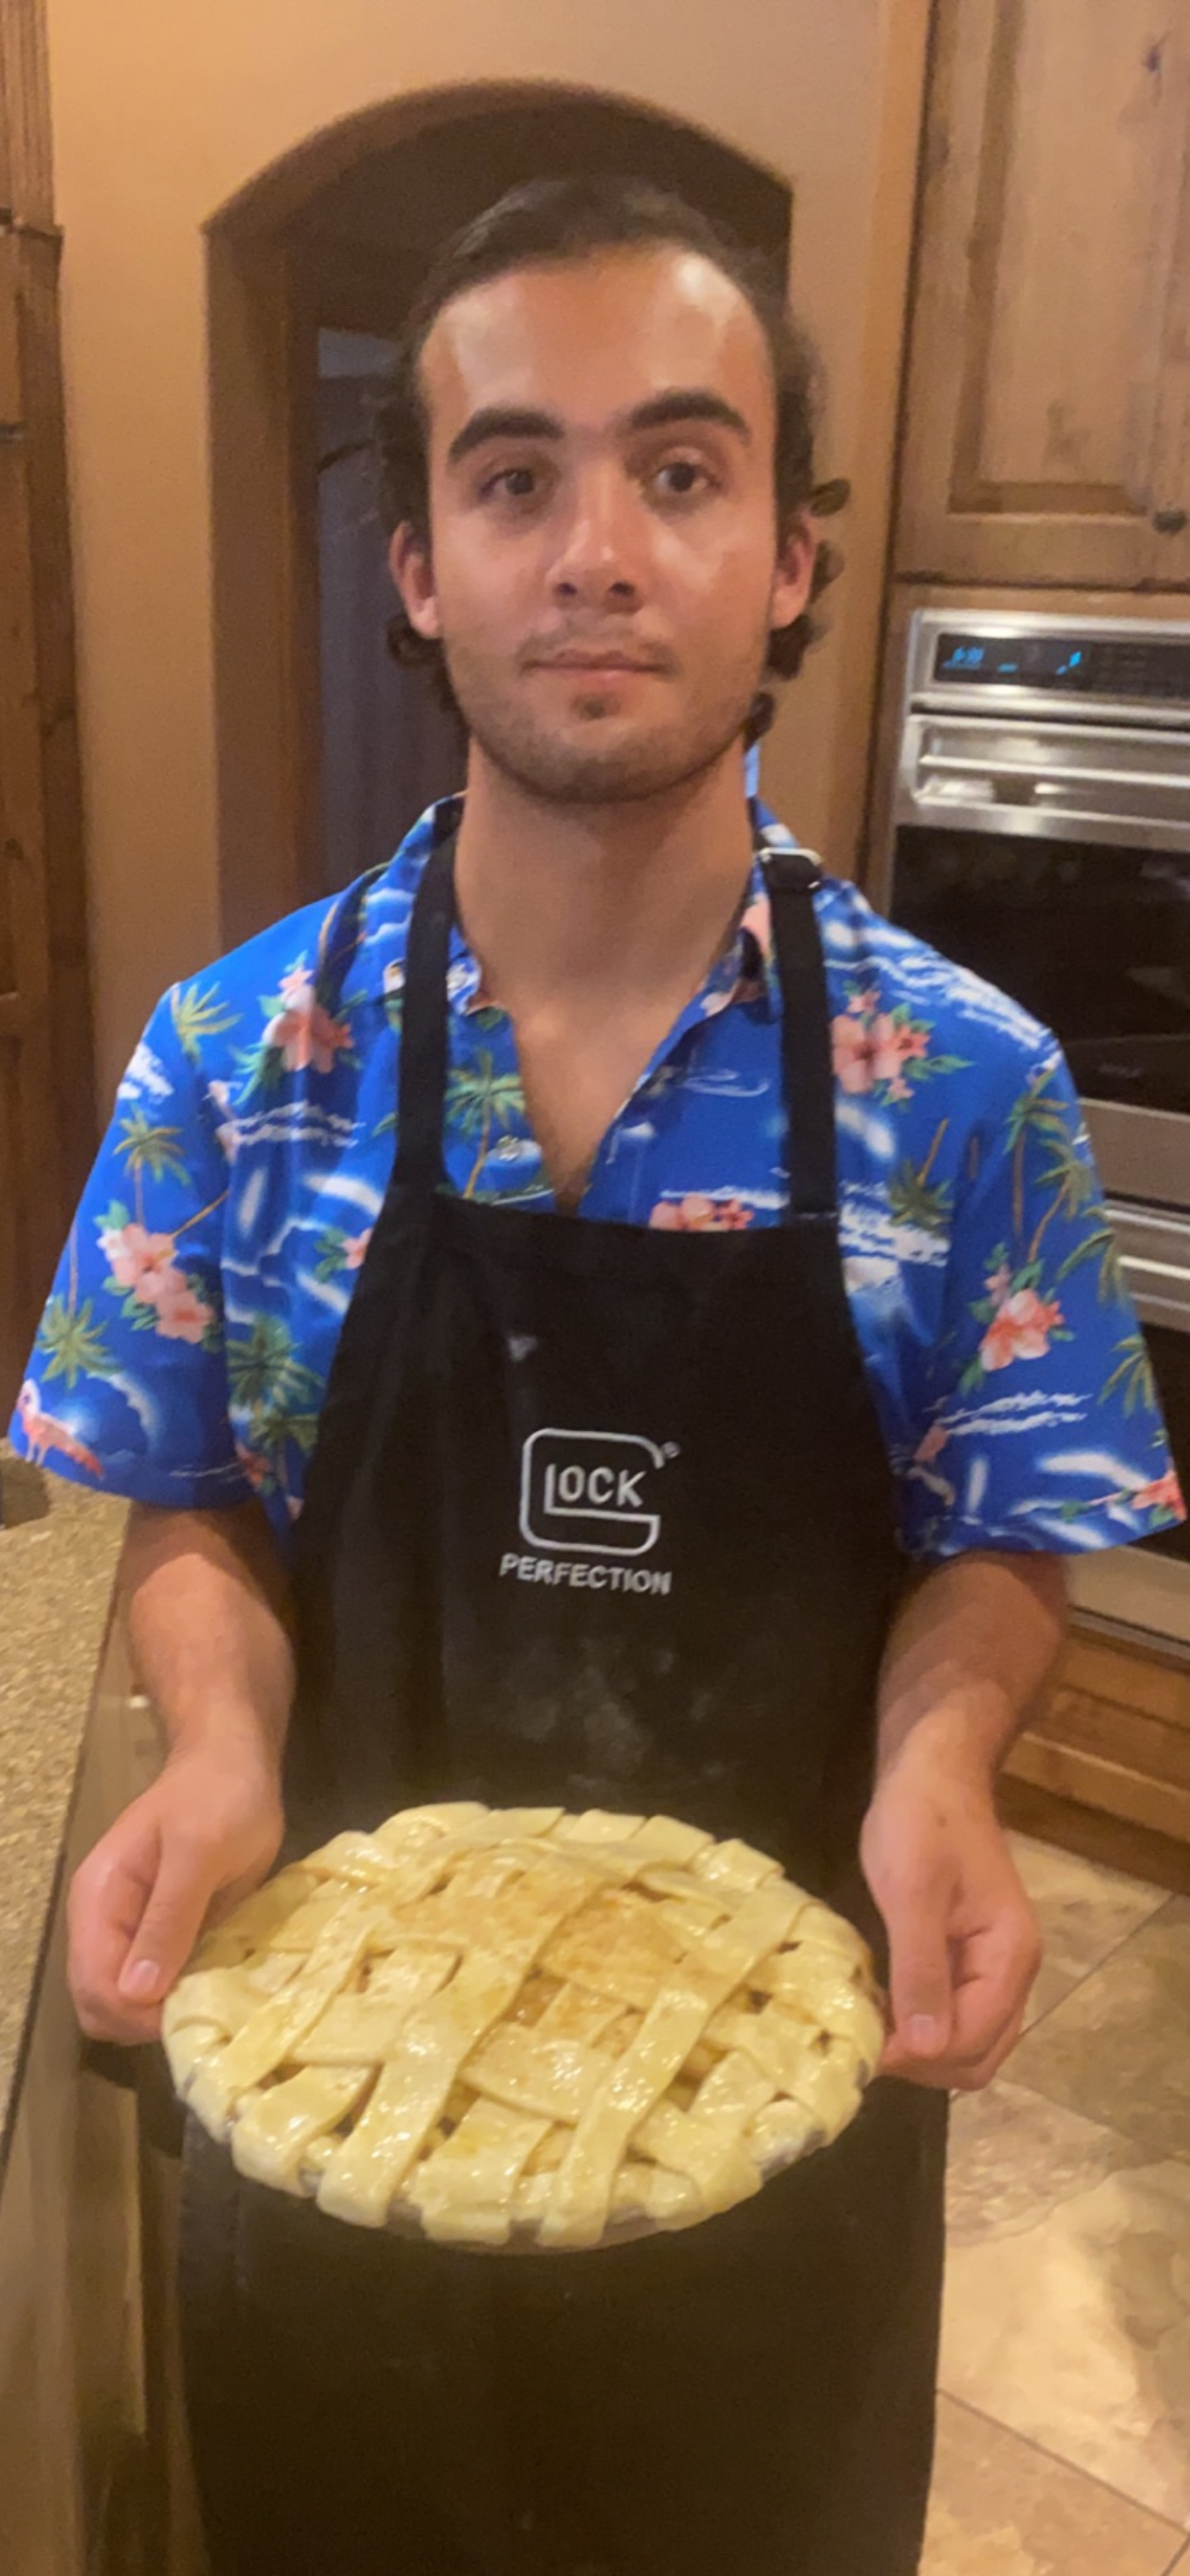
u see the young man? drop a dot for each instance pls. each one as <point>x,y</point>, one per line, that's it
<point>849,1322</point>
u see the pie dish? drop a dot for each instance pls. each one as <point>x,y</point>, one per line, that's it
<point>525,2027</point>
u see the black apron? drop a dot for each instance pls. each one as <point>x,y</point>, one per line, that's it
<point>599,1515</point>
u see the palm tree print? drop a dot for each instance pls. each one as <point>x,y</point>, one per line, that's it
<point>197,1015</point>
<point>1032,1115</point>
<point>479,1099</point>
<point>150,1147</point>
<point>272,1432</point>
<point>916,1200</point>
<point>264,1373</point>
<point>69,1335</point>
<point>1070,1178</point>
<point>1099,1246</point>
<point>1132,1376</point>
<point>73,1341</point>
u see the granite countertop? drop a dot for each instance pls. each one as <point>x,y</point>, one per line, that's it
<point>59,1548</point>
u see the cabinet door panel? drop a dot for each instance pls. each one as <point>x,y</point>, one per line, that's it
<point>1172,467</point>
<point>1049,264</point>
<point>44,1021</point>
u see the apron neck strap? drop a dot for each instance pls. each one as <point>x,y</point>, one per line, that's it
<point>425,1025</point>
<point>792,878</point>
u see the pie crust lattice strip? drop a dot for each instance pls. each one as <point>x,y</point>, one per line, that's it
<point>519,2025</point>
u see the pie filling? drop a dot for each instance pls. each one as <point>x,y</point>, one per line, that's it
<point>493,2025</point>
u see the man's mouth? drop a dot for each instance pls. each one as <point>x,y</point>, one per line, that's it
<point>593,657</point>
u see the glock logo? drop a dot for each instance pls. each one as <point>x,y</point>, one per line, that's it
<point>590,1492</point>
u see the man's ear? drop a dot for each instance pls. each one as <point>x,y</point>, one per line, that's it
<point>794,575</point>
<point>411,569</point>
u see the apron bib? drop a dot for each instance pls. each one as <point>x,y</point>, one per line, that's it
<point>598,1516</point>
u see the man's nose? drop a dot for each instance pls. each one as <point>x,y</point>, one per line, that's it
<point>598,559</point>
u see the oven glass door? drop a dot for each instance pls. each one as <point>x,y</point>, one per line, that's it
<point>1170,1356</point>
<point>1092,937</point>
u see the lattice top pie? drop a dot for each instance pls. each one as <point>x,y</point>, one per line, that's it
<point>525,2025</point>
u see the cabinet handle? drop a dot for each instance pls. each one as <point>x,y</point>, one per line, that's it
<point>1169,523</point>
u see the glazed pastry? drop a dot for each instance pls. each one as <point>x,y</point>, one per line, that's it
<point>522,2026</point>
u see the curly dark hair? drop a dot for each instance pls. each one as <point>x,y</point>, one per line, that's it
<point>565,220</point>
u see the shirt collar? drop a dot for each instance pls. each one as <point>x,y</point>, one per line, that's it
<point>745,971</point>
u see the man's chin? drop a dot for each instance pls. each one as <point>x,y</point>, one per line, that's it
<point>622,772</point>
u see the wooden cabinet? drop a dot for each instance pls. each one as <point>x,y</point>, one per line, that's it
<point>46,1112</point>
<point>1104,1767</point>
<point>1047,414</point>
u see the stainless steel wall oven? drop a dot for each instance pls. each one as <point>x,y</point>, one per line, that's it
<point>1041,835</point>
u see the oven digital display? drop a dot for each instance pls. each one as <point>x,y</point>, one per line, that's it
<point>1102,666</point>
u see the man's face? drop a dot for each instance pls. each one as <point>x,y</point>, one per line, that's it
<point>604,568</point>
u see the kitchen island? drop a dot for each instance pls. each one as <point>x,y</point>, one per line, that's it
<point>59,1549</point>
<point>71,2378</point>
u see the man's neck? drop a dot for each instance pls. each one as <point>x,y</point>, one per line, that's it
<point>599,907</point>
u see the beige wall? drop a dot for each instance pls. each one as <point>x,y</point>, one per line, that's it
<point>164,109</point>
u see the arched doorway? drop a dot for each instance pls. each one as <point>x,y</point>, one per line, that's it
<point>326,751</point>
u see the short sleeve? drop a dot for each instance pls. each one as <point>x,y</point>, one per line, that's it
<point>1043,1428</point>
<point>126,1385</point>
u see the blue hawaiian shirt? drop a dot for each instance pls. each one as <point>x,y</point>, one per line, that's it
<point>184,1352</point>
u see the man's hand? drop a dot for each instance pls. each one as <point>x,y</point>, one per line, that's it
<point>203,1836</point>
<point>209,1623</point>
<point>964,1942</point>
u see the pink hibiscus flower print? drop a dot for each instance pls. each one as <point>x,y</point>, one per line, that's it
<point>851,1047</point>
<point>355,1249</point>
<point>695,1214</point>
<point>875,1050</point>
<point>181,1315</point>
<point>140,1262</point>
<point>894,1044</point>
<point>1020,1329</point>
<point>302,1032</point>
<point>1163,1495</point>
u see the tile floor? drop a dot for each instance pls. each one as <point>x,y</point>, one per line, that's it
<point>1064,2431</point>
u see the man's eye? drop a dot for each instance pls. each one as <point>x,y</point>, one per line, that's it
<point>513,483</point>
<point>681,477</point>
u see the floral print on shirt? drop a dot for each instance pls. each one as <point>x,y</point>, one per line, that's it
<point>184,1353</point>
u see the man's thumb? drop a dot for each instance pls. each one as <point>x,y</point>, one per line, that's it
<point>168,1930</point>
<point>920,1978</point>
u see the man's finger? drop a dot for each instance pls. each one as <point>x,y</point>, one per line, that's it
<point>920,1977</point>
<point>989,2014</point>
<point>169,1926</point>
<point>104,1909</point>
<point>994,1976</point>
<point>988,2017</point>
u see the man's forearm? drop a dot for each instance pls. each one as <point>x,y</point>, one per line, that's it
<point>966,1658</point>
<point>211,1629</point>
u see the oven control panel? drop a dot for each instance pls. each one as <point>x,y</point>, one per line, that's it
<point>1143,669</point>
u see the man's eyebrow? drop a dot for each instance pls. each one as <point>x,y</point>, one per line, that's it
<point>687,402</point>
<point>500,420</point>
<point>666,410</point>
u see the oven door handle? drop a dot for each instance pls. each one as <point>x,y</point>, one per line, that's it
<point>1160,1290</point>
<point>1172,1312</point>
<point>1039,779</point>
